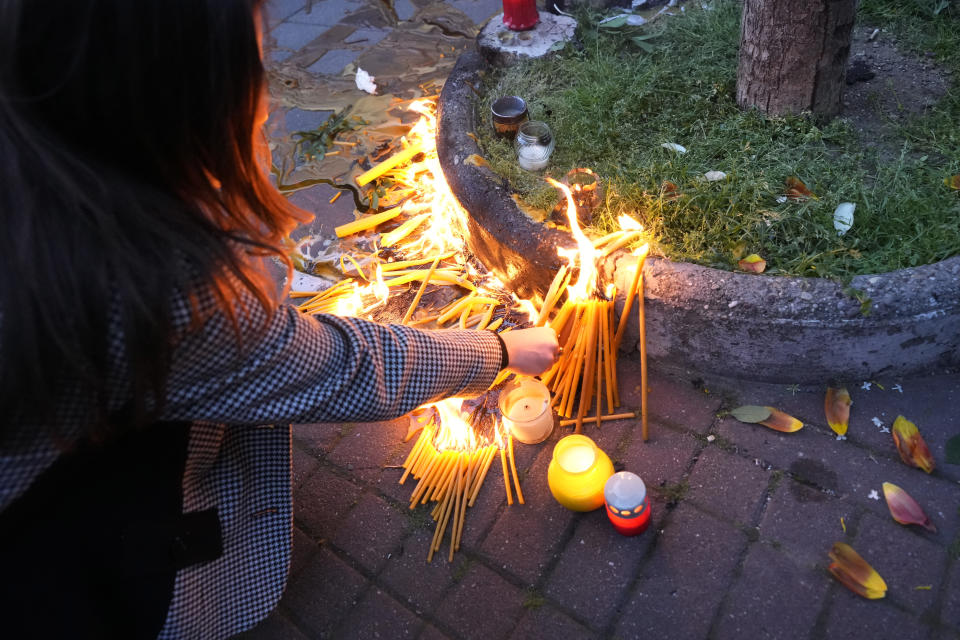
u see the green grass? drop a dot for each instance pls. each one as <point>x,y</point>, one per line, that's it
<point>612,103</point>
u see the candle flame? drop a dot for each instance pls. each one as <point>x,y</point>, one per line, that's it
<point>586,283</point>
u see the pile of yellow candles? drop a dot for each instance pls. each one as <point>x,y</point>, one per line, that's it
<point>452,478</point>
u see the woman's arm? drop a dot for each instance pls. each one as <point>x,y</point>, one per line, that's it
<point>332,369</point>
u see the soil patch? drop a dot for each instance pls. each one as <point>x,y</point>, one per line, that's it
<point>886,86</point>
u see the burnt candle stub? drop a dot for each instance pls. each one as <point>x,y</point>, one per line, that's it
<point>508,113</point>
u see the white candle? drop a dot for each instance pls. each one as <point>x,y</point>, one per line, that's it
<point>533,158</point>
<point>525,404</point>
<point>577,458</point>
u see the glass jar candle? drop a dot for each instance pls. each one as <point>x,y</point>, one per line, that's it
<point>578,472</point>
<point>525,405</point>
<point>534,144</point>
<point>508,113</point>
<point>627,506</point>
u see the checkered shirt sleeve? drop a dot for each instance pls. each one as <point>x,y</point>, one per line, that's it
<point>299,369</point>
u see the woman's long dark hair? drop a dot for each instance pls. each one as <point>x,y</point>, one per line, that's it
<point>128,168</point>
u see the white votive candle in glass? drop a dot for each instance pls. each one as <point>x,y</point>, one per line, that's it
<point>534,143</point>
<point>525,405</point>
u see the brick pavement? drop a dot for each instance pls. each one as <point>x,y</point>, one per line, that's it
<point>743,517</point>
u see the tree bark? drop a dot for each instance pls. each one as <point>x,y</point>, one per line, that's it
<point>793,55</point>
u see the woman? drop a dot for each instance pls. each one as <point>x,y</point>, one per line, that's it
<point>142,345</point>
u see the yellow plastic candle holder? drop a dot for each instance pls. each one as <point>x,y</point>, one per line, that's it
<point>578,472</point>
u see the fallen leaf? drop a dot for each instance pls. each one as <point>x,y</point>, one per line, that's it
<point>905,509</point>
<point>780,421</point>
<point>796,190</point>
<point>837,407</point>
<point>843,217</point>
<point>751,413</point>
<point>952,181</point>
<point>476,160</point>
<point>911,446</point>
<point>753,263</point>
<point>855,573</point>
<point>669,191</point>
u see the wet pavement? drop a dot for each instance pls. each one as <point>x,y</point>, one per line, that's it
<point>743,516</point>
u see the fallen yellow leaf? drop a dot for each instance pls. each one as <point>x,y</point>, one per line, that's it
<point>905,509</point>
<point>952,181</point>
<point>780,421</point>
<point>837,407</point>
<point>911,446</point>
<point>753,263</point>
<point>855,573</point>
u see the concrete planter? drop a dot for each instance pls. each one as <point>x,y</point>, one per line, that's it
<point>791,330</point>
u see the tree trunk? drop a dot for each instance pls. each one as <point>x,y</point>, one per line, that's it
<point>793,55</point>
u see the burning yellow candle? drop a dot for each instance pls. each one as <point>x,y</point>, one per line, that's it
<point>578,472</point>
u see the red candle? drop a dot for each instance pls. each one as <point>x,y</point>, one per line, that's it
<point>627,506</point>
<point>520,15</point>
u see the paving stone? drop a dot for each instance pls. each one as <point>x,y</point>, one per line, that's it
<point>304,464</point>
<point>327,217</point>
<point>481,605</point>
<point>275,626</point>
<point>481,517</point>
<point>290,37</point>
<point>280,10</point>
<point>547,622</point>
<point>950,613</point>
<point>317,438</point>
<point>526,537</point>
<point>371,532</point>
<point>682,584</point>
<point>421,583</point>
<point>904,559</point>
<point>674,401</point>
<point>727,485</point>
<point>363,38</point>
<point>326,13</point>
<point>663,459</point>
<point>595,565</point>
<point>322,502</point>
<point>854,617</point>
<point>404,8</point>
<point>430,632</point>
<point>929,404</point>
<point>322,594</point>
<point>772,598</point>
<point>478,10</point>
<point>367,447</point>
<point>304,548</point>
<point>296,119</point>
<point>937,496</point>
<point>333,62</point>
<point>804,523</point>
<point>379,616</point>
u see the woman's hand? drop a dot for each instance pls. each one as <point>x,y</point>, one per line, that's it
<point>531,351</point>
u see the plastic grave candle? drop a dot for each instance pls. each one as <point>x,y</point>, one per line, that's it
<point>627,506</point>
<point>578,472</point>
<point>519,15</point>
<point>525,405</point>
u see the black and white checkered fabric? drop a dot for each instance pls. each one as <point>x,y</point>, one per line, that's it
<point>290,368</point>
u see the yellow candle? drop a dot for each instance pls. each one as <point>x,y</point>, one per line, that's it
<point>578,472</point>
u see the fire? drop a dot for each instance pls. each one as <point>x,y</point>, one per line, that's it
<point>586,255</point>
